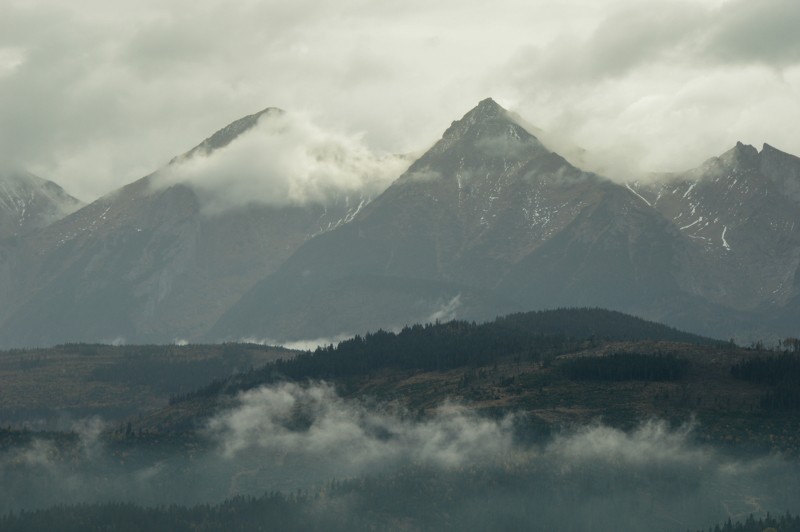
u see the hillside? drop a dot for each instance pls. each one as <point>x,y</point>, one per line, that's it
<point>455,425</point>
<point>741,211</point>
<point>488,221</point>
<point>146,263</point>
<point>51,388</point>
<point>521,363</point>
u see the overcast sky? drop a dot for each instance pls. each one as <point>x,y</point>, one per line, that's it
<point>94,94</point>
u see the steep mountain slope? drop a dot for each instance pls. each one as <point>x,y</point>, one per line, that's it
<point>615,252</point>
<point>742,211</point>
<point>487,220</point>
<point>145,263</point>
<point>28,202</point>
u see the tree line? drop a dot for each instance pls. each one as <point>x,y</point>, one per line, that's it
<point>780,372</point>
<point>626,367</point>
<point>442,346</point>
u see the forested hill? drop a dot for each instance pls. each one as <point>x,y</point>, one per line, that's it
<point>530,336</point>
<point>595,322</point>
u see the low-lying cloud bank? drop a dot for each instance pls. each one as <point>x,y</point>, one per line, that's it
<point>289,436</point>
<point>316,422</point>
<point>285,159</point>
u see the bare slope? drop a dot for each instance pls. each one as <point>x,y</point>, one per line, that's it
<point>146,264</point>
<point>487,221</point>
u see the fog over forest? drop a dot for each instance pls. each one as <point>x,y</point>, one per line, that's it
<point>289,437</point>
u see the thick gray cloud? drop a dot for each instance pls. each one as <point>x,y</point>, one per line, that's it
<point>95,95</point>
<point>757,32</point>
<point>628,38</point>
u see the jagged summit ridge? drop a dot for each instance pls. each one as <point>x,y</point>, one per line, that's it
<point>740,210</point>
<point>770,170</point>
<point>740,154</point>
<point>743,153</point>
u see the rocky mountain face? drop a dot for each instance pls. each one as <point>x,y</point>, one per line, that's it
<point>742,212</point>
<point>145,264</point>
<point>487,222</point>
<point>28,202</point>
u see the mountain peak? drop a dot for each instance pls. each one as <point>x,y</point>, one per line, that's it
<point>487,109</point>
<point>489,105</point>
<point>740,154</point>
<point>229,133</point>
<point>783,169</point>
<point>772,152</point>
<point>226,135</point>
<point>486,120</point>
<point>29,202</point>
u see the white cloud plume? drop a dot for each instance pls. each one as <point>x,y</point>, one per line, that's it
<point>315,421</point>
<point>284,160</point>
<point>448,311</point>
<point>652,443</point>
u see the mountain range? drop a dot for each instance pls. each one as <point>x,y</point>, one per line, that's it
<point>488,221</point>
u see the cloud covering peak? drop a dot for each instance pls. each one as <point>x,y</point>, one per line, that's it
<point>277,158</point>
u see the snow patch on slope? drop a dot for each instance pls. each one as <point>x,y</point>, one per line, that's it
<point>725,242</point>
<point>637,194</point>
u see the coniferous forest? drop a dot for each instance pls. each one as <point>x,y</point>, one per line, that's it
<point>574,419</point>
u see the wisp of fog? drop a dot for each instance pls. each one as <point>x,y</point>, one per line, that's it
<point>292,436</point>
